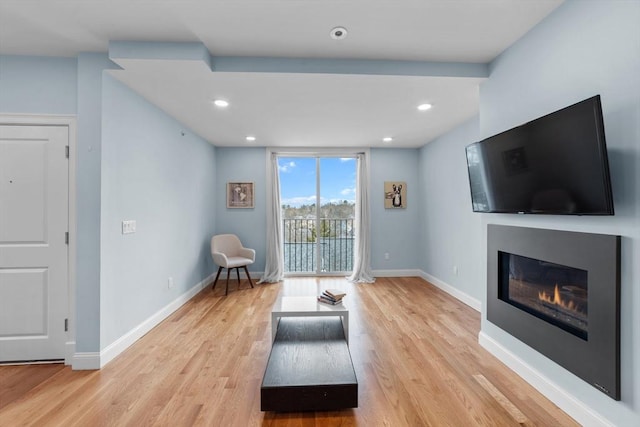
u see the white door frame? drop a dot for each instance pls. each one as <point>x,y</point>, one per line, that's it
<point>71,123</point>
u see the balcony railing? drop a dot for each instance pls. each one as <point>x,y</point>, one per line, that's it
<point>331,236</point>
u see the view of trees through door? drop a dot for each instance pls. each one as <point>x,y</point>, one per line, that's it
<point>318,197</point>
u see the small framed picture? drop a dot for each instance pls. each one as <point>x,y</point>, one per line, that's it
<point>395,195</point>
<point>240,195</point>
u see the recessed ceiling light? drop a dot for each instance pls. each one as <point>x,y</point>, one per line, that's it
<point>338,33</point>
<point>250,138</point>
<point>221,103</point>
<point>424,107</point>
<point>387,139</point>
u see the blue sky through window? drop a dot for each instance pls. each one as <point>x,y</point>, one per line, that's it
<point>298,180</point>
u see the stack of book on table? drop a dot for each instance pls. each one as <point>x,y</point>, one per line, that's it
<point>332,296</point>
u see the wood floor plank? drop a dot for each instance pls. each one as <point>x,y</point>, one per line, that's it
<point>15,384</point>
<point>414,349</point>
<point>501,399</point>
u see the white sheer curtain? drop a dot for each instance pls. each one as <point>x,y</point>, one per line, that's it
<point>362,249</point>
<point>274,266</point>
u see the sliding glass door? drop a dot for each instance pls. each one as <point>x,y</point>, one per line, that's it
<point>318,208</point>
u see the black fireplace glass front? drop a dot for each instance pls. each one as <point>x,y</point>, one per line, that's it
<point>555,293</point>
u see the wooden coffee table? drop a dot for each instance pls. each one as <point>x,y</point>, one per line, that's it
<point>308,306</point>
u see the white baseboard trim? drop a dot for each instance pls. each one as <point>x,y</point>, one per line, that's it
<point>454,292</point>
<point>396,273</point>
<point>85,361</point>
<point>562,398</point>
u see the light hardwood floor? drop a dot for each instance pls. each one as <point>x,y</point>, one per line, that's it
<point>414,349</point>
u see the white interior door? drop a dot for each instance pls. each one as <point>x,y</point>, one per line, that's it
<point>34,219</point>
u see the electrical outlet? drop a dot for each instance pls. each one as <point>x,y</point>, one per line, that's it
<point>386,255</point>
<point>128,226</point>
<point>170,283</point>
<point>455,270</point>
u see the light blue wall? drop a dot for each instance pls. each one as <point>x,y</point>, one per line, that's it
<point>394,231</point>
<point>89,150</point>
<point>450,231</point>
<point>158,173</point>
<point>37,85</point>
<point>582,49</point>
<point>243,165</point>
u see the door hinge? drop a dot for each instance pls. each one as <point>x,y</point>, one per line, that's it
<point>66,151</point>
<point>66,237</point>
<point>66,325</point>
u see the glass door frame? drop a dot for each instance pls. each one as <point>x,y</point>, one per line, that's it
<point>318,154</point>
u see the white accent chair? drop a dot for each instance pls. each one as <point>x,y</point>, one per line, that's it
<point>227,252</point>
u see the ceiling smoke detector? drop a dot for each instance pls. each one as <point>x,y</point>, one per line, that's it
<point>338,33</point>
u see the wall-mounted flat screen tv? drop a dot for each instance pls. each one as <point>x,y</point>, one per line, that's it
<point>556,164</point>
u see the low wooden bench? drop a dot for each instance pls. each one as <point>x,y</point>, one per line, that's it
<point>309,368</point>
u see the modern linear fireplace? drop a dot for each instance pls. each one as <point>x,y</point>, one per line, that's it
<point>555,293</point>
<point>558,292</point>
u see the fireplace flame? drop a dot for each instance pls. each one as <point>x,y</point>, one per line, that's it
<point>556,299</point>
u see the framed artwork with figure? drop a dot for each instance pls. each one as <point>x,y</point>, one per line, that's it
<point>395,195</point>
<point>240,195</point>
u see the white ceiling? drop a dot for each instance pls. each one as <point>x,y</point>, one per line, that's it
<point>289,107</point>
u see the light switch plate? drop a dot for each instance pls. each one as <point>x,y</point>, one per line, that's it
<point>128,226</point>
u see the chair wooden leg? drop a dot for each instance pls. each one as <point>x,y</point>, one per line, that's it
<point>248,277</point>
<point>217,275</point>
<point>226,289</point>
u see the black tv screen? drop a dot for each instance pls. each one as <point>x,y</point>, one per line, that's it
<point>556,164</point>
